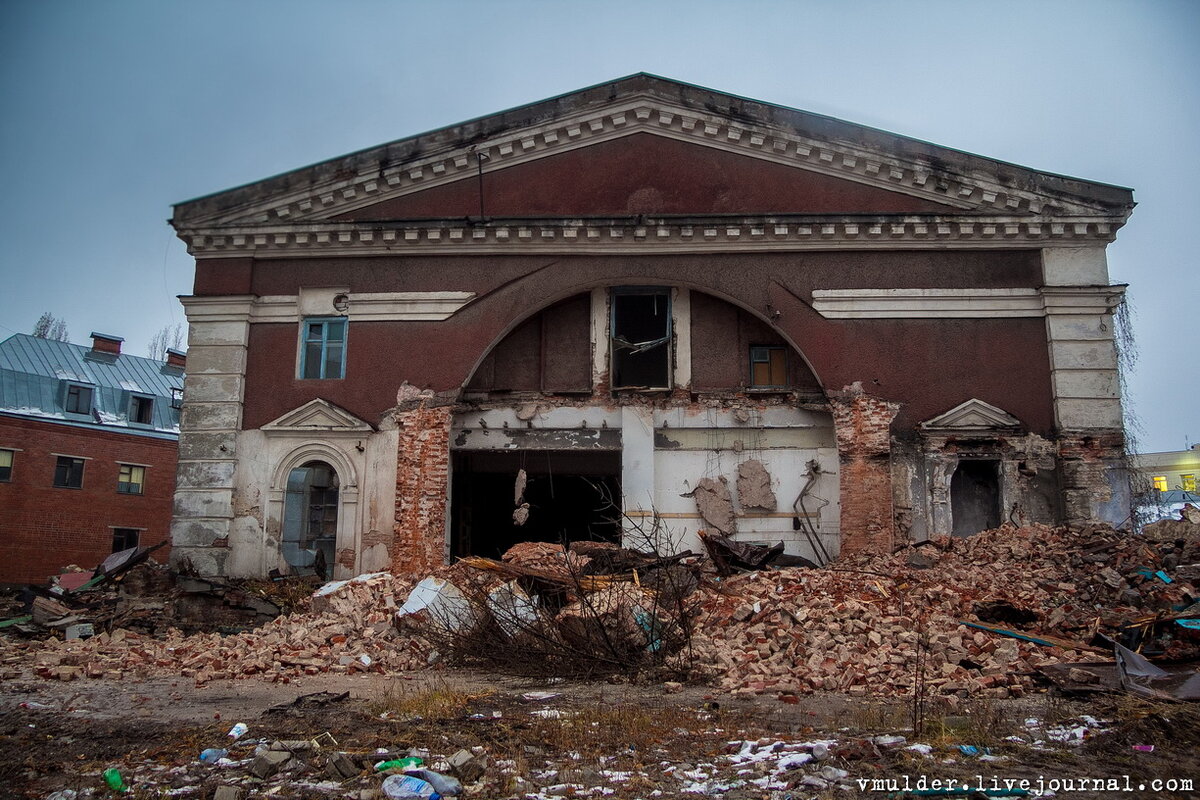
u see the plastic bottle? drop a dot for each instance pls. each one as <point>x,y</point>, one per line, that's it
<point>399,763</point>
<point>406,787</point>
<point>213,754</point>
<point>114,781</point>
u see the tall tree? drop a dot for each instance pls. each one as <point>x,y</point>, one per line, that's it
<point>168,337</point>
<point>50,327</point>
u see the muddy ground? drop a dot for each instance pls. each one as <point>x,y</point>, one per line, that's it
<point>591,740</point>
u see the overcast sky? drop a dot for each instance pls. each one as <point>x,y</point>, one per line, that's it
<point>112,111</point>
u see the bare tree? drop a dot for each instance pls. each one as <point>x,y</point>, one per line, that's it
<point>50,327</point>
<point>168,337</point>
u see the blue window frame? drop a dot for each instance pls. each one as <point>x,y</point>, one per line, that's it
<point>323,348</point>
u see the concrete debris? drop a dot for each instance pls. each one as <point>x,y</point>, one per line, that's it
<point>715,504</point>
<point>754,487</point>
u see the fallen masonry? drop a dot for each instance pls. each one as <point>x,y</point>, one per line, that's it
<point>878,626</point>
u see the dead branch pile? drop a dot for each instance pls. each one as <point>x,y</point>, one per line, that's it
<point>862,625</point>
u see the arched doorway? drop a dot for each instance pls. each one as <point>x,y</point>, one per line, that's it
<point>310,517</point>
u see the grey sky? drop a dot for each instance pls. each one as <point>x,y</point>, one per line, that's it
<point>112,111</point>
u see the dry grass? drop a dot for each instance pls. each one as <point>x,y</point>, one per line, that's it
<point>438,701</point>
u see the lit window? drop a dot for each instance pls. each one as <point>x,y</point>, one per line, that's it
<point>141,410</point>
<point>1188,482</point>
<point>641,338</point>
<point>125,538</point>
<point>323,352</point>
<point>6,461</point>
<point>79,399</point>
<point>768,366</point>
<point>131,479</point>
<point>1160,483</point>
<point>68,473</point>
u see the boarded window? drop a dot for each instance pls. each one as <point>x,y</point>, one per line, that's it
<point>768,366</point>
<point>641,338</point>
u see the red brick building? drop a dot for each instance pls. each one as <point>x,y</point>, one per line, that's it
<point>88,447</point>
<point>634,312</point>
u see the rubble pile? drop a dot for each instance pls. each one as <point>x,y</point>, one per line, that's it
<point>881,625</point>
<point>349,629</point>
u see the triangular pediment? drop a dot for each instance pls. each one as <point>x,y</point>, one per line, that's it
<point>318,416</point>
<point>668,131</point>
<point>973,415</point>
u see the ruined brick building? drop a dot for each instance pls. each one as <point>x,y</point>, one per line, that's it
<point>636,311</point>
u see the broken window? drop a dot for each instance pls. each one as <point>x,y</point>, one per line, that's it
<point>310,516</point>
<point>975,496</point>
<point>641,338</point>
<point>141,410</point>
<point>125,538</point>
<point>68,473</point>
<point>768,366</point>
<point>79,399</point>
<point>323,351</point>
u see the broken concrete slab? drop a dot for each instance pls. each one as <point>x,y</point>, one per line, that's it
<point>754,487</point>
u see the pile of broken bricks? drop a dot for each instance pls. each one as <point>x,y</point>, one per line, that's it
<point>866,625</point>
<point>884,625</point>
<point>348,629</point>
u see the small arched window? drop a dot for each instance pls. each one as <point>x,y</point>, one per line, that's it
<point>310,513</point>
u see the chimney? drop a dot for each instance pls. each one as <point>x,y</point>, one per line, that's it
<point>176,358</point>
<point>103,343</point>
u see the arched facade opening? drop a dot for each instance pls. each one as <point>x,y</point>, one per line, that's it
<point>643,414</point>
<point>311,506</point>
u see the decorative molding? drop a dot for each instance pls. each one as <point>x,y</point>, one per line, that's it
<point>1083,299</point>
<point>972,416</point>
<point>927,303</point>
<point>318,416</point>
<point>363,307</point>
<point>376,180</point>
<point>641,235</point>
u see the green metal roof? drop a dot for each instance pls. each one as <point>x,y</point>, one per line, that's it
<point>35,375</point>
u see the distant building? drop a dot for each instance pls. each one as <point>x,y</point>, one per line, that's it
<point>88,449</point>
<point>1166,480</point>
<point>643,309</point>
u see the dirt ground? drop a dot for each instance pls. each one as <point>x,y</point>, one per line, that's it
<point>590,740</point>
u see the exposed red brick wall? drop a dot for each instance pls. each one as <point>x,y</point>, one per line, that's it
<point>44,528</point>
<point>862,424</point>
<point>422,483</point>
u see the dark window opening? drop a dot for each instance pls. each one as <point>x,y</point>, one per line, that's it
<point>6,462</point>
<point>768,366</point>
<point>176,397</point>
<point>572,496</point>
<point>323,351</point>
<point>125,538</point>
<point>68,473</point>
<point>141,410</point>
<point>310,515</point>
<point>79,399</point>
<point>641,338</point>
<point>975,496</point>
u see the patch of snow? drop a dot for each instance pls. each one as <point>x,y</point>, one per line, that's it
<point>131,386</point>
<point>29,411</point>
